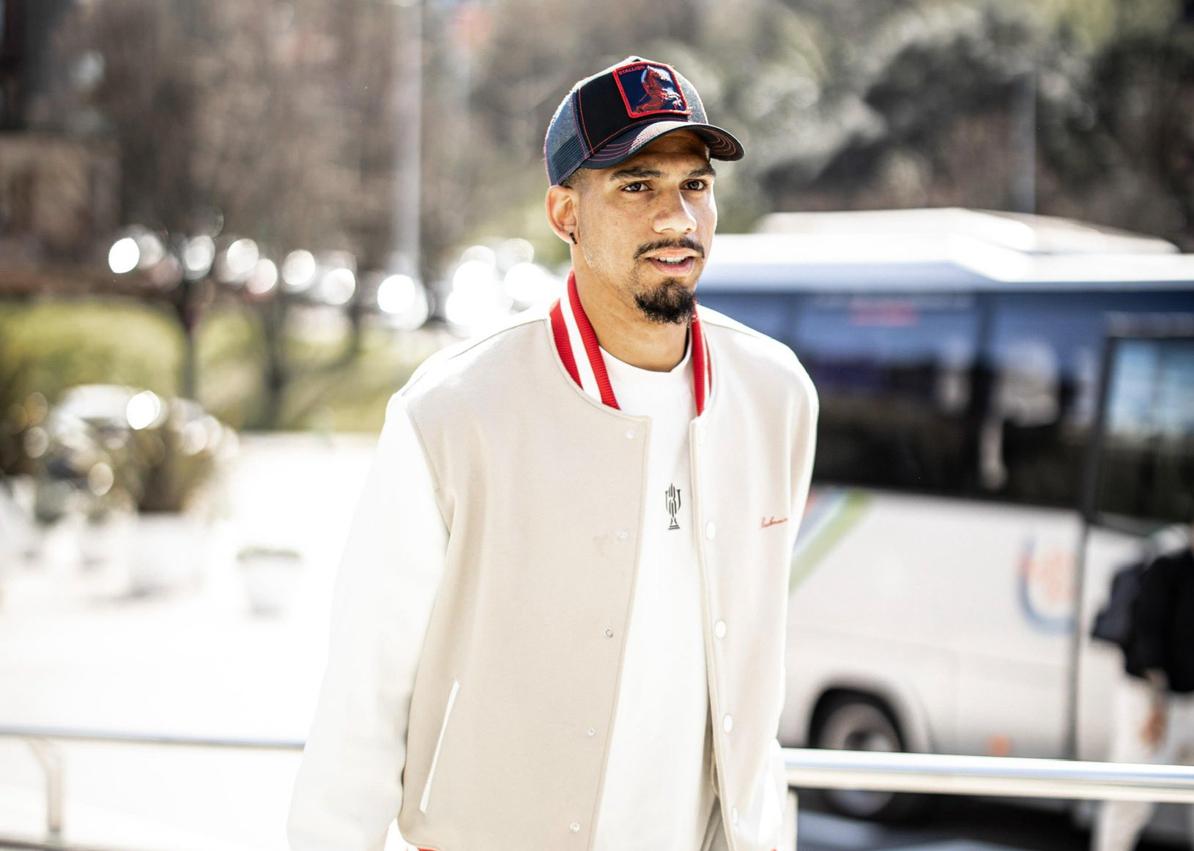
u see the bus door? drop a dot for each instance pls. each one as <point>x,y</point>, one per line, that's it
<point>1138,495</point>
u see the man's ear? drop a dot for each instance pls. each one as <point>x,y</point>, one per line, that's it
<point>561,212</point>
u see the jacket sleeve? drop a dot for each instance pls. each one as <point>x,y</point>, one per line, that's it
<point>349,784</point>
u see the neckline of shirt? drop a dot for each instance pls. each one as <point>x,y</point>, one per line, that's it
<point>677,376</point>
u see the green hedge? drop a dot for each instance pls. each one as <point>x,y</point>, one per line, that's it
<point>49,345</point>
<point>52,345</point>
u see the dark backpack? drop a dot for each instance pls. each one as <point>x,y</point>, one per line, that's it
<point>1114,622</point>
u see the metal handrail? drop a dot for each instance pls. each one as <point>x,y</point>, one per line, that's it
<point>42,739</point>
<point>33,732</point>
<point>806,769</point>
<point>942,774</point>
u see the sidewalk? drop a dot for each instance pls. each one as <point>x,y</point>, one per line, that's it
<point>197,663</point>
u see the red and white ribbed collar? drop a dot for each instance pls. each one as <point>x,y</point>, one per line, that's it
<point>573,332</point>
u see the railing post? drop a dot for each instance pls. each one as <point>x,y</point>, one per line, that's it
<point>53,767</point>
<point>791,816</point>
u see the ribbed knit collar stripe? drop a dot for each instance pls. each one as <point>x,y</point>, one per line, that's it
<point>699,390</point>
<point>573,332</point>
<point>588,338</point>
<point>559,331</point>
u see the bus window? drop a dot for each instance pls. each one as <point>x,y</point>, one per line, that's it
<point>893,375</point>
<point>1026,394</point>
<point>1146,466</point>
<point>1043,354</point>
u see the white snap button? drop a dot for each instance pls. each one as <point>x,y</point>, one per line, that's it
<point>609,633</point>
<point>710,530</point>
<point>734,816</point>
<point>590,732</point>
<point>631,434</point>
<point>574,827</point>
<point>719,629</point>
<point>727,723</point>
<point>622,534</point>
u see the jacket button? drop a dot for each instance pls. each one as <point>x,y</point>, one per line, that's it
<point>609,633</point>
<point>590,732</point>
<point>710,530</point>
<point>719,629</point>
<point>574,827</point>
<point>631,434</point>
<point>727,723</point>
<point>621,534</point>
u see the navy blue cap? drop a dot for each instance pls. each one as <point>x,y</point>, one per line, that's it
<point>611,116</point>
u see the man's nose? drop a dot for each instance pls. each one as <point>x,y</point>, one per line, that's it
<point>675,216</point>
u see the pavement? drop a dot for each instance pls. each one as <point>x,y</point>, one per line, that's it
<point>76,650</point>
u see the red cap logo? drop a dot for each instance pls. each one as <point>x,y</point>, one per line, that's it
<point>650,88</point>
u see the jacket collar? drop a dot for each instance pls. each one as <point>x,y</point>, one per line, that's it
<point>577,345</point>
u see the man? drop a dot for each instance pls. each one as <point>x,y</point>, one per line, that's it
<point>1154,707</point>
<point>560,617</point>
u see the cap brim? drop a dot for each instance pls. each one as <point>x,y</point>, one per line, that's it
<point>722,144</point>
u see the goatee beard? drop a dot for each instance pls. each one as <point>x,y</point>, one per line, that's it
<point>670,303</point>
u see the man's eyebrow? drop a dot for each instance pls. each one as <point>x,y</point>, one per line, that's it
<point>641,172</point>
<point>635,171</point>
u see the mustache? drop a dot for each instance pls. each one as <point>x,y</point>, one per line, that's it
<point>686,242</point>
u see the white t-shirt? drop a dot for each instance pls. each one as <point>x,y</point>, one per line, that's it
<point>658,792</point>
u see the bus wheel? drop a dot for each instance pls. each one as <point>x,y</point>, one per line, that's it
<point>858,722</point>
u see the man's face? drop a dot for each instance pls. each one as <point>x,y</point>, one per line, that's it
<point>645,226</point>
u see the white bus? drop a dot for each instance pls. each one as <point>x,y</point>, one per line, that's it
<point>985,460</point>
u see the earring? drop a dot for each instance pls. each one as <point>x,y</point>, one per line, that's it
<point>574,242</point>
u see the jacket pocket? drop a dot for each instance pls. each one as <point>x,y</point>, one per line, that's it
<point>439,744</point>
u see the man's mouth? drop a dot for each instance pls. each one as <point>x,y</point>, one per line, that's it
<point>674,265</point>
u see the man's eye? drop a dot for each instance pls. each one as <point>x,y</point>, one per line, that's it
<point>637,186</point>
<point>695,185</point>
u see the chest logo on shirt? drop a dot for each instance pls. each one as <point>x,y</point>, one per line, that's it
<point>672,504</point>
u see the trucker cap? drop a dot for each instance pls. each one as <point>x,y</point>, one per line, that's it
<point>609,117</point>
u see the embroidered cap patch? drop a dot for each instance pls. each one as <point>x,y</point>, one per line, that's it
<point>650,88</point>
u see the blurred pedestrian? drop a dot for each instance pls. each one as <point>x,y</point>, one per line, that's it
<point>1154,704</point>
<point>560,618</point>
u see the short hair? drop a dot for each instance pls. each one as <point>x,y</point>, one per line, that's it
<point>570,182</point>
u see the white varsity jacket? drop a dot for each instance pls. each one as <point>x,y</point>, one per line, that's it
<point>477,634</point>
